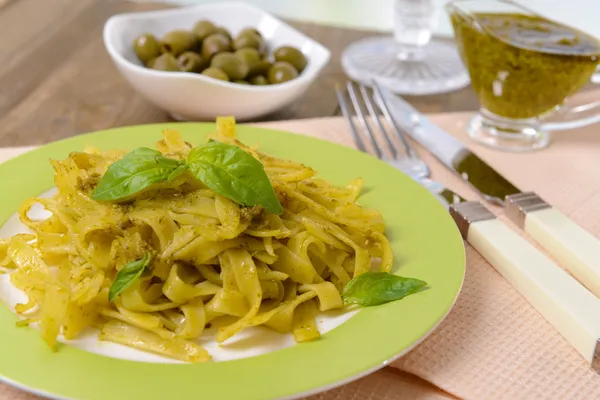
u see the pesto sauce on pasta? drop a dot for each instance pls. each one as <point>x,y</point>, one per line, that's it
<point>209,257</point>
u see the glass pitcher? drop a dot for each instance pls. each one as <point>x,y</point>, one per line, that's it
<point>523,68</point>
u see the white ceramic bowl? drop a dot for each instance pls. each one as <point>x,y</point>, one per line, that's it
<point>188,96</point>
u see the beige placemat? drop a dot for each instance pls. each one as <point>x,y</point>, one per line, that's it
<point>493,345</point>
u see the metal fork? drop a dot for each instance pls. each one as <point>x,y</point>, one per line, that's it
<point>374,133</point>
<point>535,276</point>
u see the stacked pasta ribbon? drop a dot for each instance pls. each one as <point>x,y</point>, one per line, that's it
<point>212,260</point>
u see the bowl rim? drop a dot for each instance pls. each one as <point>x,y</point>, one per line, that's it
<point>117,57</point>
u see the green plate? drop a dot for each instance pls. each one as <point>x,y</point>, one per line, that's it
<point>426,244</point>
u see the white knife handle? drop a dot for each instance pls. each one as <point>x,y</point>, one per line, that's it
<point>572,309</point>
<point>572,246</point>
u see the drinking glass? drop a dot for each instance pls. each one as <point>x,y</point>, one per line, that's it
<point>411,61</point>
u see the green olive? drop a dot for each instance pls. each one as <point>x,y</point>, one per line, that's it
<point>241,82</point>
<point>261,68</point>
<point>249,30</point>
<point>150,63</point>
<point>282,71</point>
<point>190,62</point>
<point>146,47</point>
<point>165,62</point>
<point>215,43</point>
<point>259,80</point>
<point>252,59</point>
<point>203,29</point>
<point>224,32</point>
<point>291,55</point>
<point>249,55</point>
<point>249,39</point>
<point>234,66</point>
<point>178,41</point>
<point>216,73</point>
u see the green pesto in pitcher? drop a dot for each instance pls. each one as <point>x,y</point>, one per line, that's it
<point>522,66</point>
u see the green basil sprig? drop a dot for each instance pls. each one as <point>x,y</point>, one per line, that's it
<point>136,171</point>
<point>374,288</point>
<point>224,168</point>
<point>235,174</point>
<point>127,275</point>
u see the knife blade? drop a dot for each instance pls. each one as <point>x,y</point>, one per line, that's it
<point>577,250</point>
<point>447,149</point>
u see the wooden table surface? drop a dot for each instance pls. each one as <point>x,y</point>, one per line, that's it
<point>56,79</point>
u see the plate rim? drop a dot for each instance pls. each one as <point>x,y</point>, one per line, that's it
<point>383,364</point>
<point>248,128</point>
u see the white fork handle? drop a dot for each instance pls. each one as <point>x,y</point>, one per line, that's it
<point>575,248</point>
<point>572,309</point>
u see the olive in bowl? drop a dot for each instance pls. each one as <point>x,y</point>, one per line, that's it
<point>178,41</point>
<point>209,46</point>
<point>291,55</point>
<point>146,47</point>
<point>203,29</point>
<point>193,93</point>
<point>224,32</point>
<point>282,71</point>
<point>251,57</point>
<point>248,38</point>
<point>191,62</point>
<point>235,67</point>
<point>216,73</point>
<point>165,62</point>
<point>214,44</point>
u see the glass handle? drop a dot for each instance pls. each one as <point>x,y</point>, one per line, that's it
<point>596,76</point>
<point>574,116</point>
<point>414,21</point>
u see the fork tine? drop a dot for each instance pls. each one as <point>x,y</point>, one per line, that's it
<point>348,116</point>
<point>376,117</point>
<point>385,110</point>
<point>361,118</point>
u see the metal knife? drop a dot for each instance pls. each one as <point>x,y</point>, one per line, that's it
<point>576,249</point>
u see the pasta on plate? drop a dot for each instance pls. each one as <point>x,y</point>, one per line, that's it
<point>153,268</point>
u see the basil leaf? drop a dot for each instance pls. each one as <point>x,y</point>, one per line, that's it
<point>127,275</point>
<point>374,288</point>
<point>136,171</point>
<point>178,171</point>
<point>235,174</point>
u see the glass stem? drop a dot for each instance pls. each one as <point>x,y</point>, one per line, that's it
<point>414,21</point>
